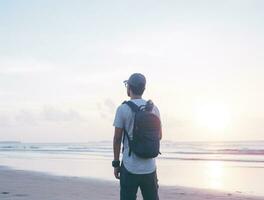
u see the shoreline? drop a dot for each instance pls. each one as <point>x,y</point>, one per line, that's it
<point>31,185</point>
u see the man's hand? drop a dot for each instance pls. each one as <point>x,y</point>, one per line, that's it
<point>117,172</point>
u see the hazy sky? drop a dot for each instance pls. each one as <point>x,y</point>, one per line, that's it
<point>62,64</point>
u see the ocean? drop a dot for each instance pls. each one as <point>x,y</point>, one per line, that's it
<point>227,166</point>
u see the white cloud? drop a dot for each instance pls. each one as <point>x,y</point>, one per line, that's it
<point>4,120</point>
<point>53,114</point>
<point>106,109</point>
<point>48,114</point>
<point>11,65</point>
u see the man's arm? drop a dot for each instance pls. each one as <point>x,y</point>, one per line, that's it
<point>117,142</point>
<point>117,146</point>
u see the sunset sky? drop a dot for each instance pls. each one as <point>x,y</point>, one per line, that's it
<point>62,64</point>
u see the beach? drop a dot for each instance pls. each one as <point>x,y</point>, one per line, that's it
<point>75,171</point>
<point>27,185</point>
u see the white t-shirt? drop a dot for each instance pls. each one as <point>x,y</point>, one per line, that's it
<point>124,118</point>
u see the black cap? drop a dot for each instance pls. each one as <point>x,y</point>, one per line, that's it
<point>137,80</point>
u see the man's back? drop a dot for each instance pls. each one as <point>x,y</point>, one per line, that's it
<point>125,119</point>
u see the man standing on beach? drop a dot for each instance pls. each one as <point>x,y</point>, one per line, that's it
<point>138,168</point>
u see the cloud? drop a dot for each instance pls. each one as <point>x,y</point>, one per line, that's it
<point>4,120</point>
<point>26,117</point>
<point>177,123</point>
<point>110,105</point>
<point>106,109</point>
<point>9,66</point>
<point>47,114</point>
<point>50,113</point>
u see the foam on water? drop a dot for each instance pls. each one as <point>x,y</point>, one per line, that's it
<point>251,151</point>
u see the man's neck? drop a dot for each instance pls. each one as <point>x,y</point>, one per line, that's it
<point>135,97</point>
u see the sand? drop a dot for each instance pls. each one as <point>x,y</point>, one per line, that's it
<point>27,185</point>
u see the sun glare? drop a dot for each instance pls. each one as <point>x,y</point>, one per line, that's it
<point>212,116</point>
<point>215,173</point>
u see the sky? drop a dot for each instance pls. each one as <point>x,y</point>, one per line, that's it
<point>62,64</point>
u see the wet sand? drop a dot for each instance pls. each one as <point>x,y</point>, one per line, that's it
<point>27,185</point>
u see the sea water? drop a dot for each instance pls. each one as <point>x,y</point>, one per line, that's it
<point>229,166</point>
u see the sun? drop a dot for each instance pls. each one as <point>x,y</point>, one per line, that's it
<point>212,116</point>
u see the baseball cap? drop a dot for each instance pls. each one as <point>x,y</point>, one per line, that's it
<point>137,80</point>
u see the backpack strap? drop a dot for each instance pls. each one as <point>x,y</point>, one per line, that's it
<point>132,106</point>
<point>135,109</point>
<point>129,142</point>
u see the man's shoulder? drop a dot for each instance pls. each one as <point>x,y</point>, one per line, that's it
<point>122,107</point>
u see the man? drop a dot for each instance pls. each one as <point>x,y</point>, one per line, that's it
<point>134,171</point>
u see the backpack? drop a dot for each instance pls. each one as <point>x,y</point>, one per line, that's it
<point>145,141</point>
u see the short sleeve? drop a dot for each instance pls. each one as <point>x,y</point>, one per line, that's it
<point>119,118</point>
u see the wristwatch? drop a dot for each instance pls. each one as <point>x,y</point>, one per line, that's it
<point>115,163</point>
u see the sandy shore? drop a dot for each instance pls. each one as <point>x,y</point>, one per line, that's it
<point>26,185</point>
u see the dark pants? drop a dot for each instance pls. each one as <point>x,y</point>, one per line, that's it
<point>129,184</point>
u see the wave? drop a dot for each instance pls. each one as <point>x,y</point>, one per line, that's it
<point>222,152</point>
<point>216,159</point>
<point>216,151</point>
